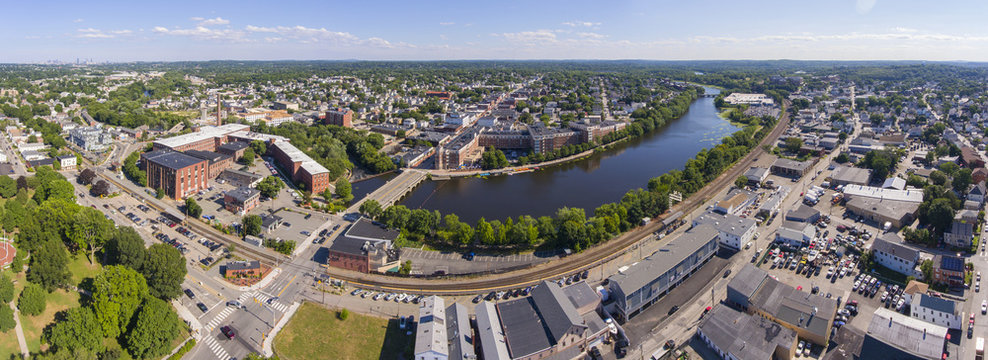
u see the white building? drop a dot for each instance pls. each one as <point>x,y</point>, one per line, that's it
<point>430,338</point>
<point>67,162</point>
<point>891,253</point>
<point>795,234</point>
<point>936,310</point>
<point>733,231</point>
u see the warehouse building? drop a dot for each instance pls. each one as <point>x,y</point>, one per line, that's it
<point>177,174</point>
<point>643,283</point>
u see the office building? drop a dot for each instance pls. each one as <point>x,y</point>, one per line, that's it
<point>177,174</point>
<point>340,117</point>
<point>311,175</point>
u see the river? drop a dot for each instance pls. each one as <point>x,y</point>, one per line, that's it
<point>603,177</point>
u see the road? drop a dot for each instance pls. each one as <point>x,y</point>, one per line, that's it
<point>13,157</point>
<point>393,190</point>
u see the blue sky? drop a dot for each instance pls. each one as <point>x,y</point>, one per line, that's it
<point>449,30</point>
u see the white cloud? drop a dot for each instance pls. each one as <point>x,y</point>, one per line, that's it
<point>305,33</point>
<point>531,37</point>
<point>77,20</point>
<point>447,23</point>
<point>864,6</point>
<point>202,32</point>
<point>905,29</point>
<point>590,35</point>
<point>214,21</point>
<point>91,33</point>
<point>581,24</point>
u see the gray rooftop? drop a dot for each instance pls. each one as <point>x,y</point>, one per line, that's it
<point>242,194</point>
<point>728,224</point>
<point>171,159</point>
<point>459,333</point>
<point>489,333</point>
<point>799,308</point>
<point>791,164</point>
<point>523,328</point>
<point>745,336</point>
<point>556,310</point>
<point>748,280</point>
<point>911,335</point>
<point>888,245</point>
<point>581,295</point>
<point>206,155</point>
<point>851,175</point>
<point>663,260</point>
<point>234,145</point>
<point>243,265</point>
<point>802,213</point>
<point>935,303</point>
<point>365,229</point>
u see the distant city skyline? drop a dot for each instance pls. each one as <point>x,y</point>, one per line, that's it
<point>453,30</point>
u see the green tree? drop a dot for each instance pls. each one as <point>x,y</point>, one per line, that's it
<point>344,190</point>
<point>793,144</point>
<point>252,225</point>
<point>916,181</point>
<point>90,230</point>
<point>6,319</point>
<point>192,208</point>
<point>938,178</point>
<point>259,147</point>
<point>75,328</point>
<point>6,290</point>
<point>117,293</point>
<point>32,300</point>
<point>48,265</point>
<point>126,248</point>
<point>842,158</point>
<point>248,158</point>
<point>926,267</point>
<point>940,214</point>
<point>371,208</point>
<point>741,181</point>
<point>8,187</point>
<point>159,193</point>
<point>164,269</point>
<point>270,186</point>
<point>155,326</point>
<point>949,168</point>
<point>962,180</point>
<point>484,232</point>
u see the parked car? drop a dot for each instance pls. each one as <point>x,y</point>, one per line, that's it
<point>202,307</point>
<point>190,294</point>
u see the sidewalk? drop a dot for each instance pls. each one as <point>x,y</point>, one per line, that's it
<point>20,332</point>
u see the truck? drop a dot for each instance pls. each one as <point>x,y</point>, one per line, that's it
<point>979,349</point>
<point>810,199</point>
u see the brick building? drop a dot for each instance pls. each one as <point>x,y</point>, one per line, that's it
<point>242,269</point>
<point>340,117</point>
<point>178,174</point>
<point>300,166</point>
<point>364,247</point>
<point>241,200</point>
<point>208,138</point>
<point>217,162</point>
<point>234,148</point>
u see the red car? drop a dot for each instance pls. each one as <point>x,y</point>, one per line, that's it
<point>228,331</point>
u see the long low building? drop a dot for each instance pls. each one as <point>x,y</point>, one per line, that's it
<point>846,175</point>
<point>870,192</point>
<point>898,213</point>
<point>892,335</point>
<point>645,282</point>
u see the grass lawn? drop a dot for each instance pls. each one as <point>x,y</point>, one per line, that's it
<point>316,333</point>
<point>8,340</point>
<point>80,268</point>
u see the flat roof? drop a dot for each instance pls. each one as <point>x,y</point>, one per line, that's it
<point>791,164</point>
<point>205,132</point>
<point>243,193</point>
<point>748,280</point>
<point>852,175</point>
<point>909,334</point>
<point>908,195</point>
<point>172,159</point>
<point>367,230</point>
<point>727,223</point>
<point>296,155</point>
<point>663,260</point>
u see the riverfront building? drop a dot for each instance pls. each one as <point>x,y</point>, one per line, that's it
<point>364,247</point>
<point>645,282</point>
<point>300,166</point>
<point>733,334</point>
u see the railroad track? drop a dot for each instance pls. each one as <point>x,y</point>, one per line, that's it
<point>586,260</point>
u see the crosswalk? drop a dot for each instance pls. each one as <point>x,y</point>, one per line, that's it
<point>215,347</point>
<point>219,318</point>
<point>262,297</point>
